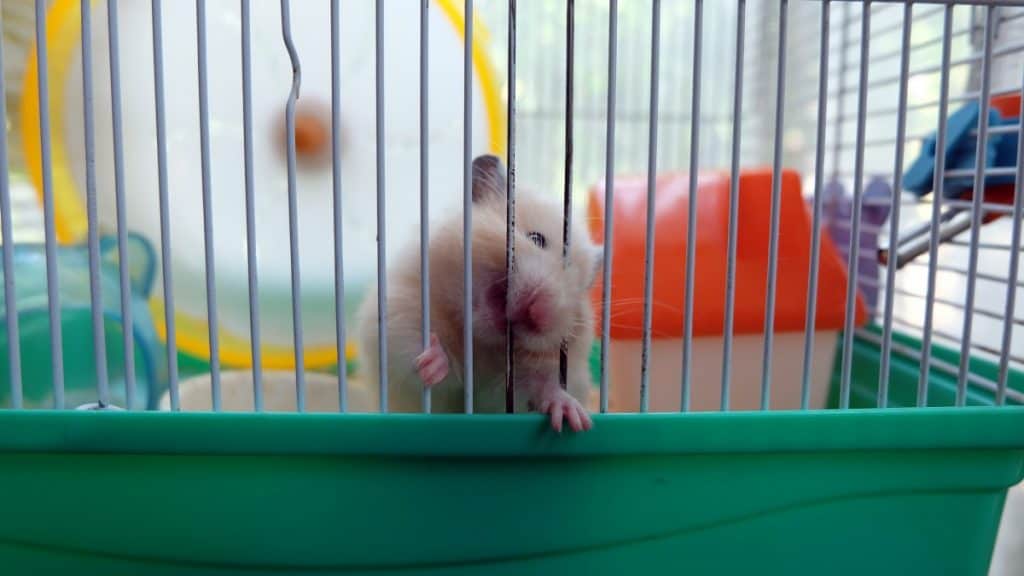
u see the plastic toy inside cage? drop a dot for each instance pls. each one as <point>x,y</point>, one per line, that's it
<point>804,321</point>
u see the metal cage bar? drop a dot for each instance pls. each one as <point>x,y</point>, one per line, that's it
<point>652,174</point>
<point>734,198</point>
<point>976,210</point>
<point>858,190</point>
<point>773,234</point>
<point>691,222</point>
<point>293,208</point>
<point>1011,284</point>
<point>609,196</point>
<point>339,252</point>
<point>165,225</point>
<point>819,173</point>
<point>510,205</point>
<point>50,229</point>
<point>570,77</point>
<point>382,287</point>
<point>425,184</point>
<point>250,209</point>
<point>204,147</point>
<point>99,342</point>
<point>467,205</point>
<point>894,217</point>
<point>127,331</point>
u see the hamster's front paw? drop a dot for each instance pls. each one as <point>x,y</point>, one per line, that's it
<point>559,404</point>
<point>432,364</point>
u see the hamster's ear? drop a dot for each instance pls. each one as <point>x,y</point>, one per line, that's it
<point>488,178</point>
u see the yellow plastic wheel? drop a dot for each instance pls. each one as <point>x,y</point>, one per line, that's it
<point>271,82</point>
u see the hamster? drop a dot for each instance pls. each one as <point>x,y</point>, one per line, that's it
<point>544,302</point>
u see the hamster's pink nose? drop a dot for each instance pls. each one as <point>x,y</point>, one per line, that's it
<point>534,313</point>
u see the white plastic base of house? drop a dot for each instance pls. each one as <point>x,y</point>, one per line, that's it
<point>666,369</point>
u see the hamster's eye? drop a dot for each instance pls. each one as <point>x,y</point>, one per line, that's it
<point>538,239</point>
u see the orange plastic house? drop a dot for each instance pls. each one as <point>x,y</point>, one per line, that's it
<point>754,213</point>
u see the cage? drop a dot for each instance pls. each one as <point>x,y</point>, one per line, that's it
<point>804,358</point>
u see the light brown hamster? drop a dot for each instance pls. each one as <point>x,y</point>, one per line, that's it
<point>544,301</point>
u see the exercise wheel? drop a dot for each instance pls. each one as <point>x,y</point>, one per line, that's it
<point>271,80</point>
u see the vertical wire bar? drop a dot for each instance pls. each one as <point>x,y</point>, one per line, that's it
<point>976,208</point>
<point>773,237</point>
<point>250,209</point>
<point>204,148</point>
<point>691,221</point>
<point>127,332</point>
<point>467,205</point>
<point>1011,284</point>
<point>99,342</point>
<point>819,174</point>
<point>938,186</point>
<point>609,198</point>
<point>858,197</point>
<point>50,230</point>
<point>652,175</point>
<point>382,283</point>
<point>570,77</point>
<point>510,205</point>
<point>6,232</point>
<point>339,268</point>
<point>734,200</point>
<point>165,225</point>
<point>293,209</point>
<point>424,186</point>
<point>894,217</point>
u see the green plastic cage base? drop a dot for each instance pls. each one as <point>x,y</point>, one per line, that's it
<point>743,493</point>
<point>904,371</point>
<point>913,491</point>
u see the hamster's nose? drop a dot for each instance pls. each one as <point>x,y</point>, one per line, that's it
<point>534,313</point>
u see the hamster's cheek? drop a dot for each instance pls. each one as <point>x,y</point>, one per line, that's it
<point>578,279</point>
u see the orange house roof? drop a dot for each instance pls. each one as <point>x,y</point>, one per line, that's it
<point>671,209</point>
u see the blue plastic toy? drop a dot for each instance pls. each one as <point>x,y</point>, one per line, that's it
<point>961,153</point>
<point>76,326</point>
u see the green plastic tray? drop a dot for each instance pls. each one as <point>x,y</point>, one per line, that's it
<point>867,491</point>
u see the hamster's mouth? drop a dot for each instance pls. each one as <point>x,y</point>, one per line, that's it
<point>529,312</point>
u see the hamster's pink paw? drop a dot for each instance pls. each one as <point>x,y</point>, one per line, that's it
<point>432,364</point>
<point>560,405</point>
